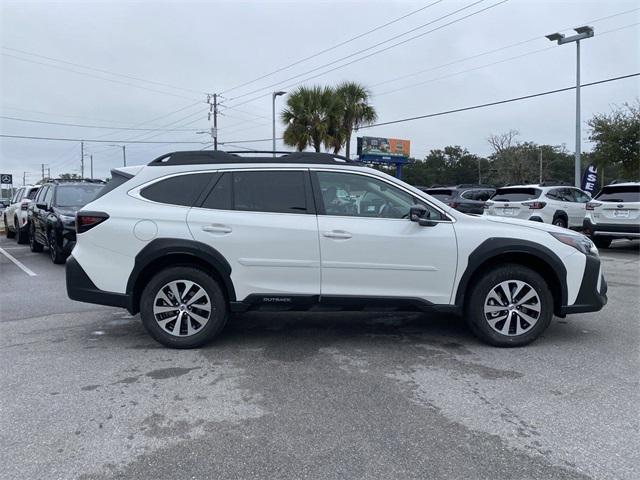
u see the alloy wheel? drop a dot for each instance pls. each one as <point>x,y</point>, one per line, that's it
<point>512,307</point>
<point>182,308</point>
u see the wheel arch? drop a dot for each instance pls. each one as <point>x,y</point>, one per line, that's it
<point>561,214</point>
<point>500,251</point>
<point>163,253</point>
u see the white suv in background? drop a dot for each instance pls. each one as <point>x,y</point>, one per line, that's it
<point>563,206</point>
<point>15,215</point>
<point>192,236</point>
<point>614,213</point>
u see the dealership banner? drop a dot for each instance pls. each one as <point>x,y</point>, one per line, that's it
<point>590,179</point>
<point>383,149</point>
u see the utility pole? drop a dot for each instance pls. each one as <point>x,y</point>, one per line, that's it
<point>479,173</point>
<point>81,159</point>
<point>540,165</point>
<point>42,165</point>
<point>49,172</point>
<point>213,113</point>
<point>124,155</point>
<point>24,178</point>
<point>582,33</point>
<point>91,159</point>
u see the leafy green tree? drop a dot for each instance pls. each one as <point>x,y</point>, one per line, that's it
<point>353,111</point>
<point>617,139</point>
<point>308,116</point>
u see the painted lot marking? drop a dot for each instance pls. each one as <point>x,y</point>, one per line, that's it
<point>18,263</point>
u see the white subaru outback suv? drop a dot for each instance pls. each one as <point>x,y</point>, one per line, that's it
<point>193,236</point>
<point>563,206</point>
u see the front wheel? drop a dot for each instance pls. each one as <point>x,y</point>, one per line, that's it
<point>22,233</point>
<point>602,242</point>
<point>34,245</point>
<point>510,306</point>
<point>8,232</point>
<point>183,307</point>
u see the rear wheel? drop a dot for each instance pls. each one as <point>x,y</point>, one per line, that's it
<point>183,307</point>
<point>560,222</point>
<point>22,233</point>
<point>55,250</point>
<point>34,245</point>
<point>602,242</point>
<point>8,232</point>
<point>510,306</point>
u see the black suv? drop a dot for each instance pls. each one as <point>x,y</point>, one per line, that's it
<point>465,198</point>
<point>52,215</point>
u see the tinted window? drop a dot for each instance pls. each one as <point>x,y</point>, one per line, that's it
<point>629,193</point>
<point>365,197</point>
<point>48,195</point>
<point>220,196</point>
<point>553,194</point>
<point>17,196</point>
<point>75,195</point>
<point>41,194</point>
<point>280,192</point>
<point>484,195</point>
<point>442,195</point>
<point>515,194</point>
<point>179,190</point>
<point>32,193</point>
<point>580,196</point>
<point>117,179</point>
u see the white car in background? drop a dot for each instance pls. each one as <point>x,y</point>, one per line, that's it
<point>614,213</point>
<point>15,215</point>
<point>560,205</point>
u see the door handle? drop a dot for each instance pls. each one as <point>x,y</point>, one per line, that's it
<point>216,228</point>
<point>337,234</point>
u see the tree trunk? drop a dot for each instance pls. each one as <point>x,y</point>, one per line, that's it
<point>347,146</point>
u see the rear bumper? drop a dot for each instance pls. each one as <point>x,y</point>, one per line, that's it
<point>82,289</point>
<point>592,295</point>
<point>611,229</point>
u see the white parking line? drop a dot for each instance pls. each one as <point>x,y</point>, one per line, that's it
<point>19,264</point>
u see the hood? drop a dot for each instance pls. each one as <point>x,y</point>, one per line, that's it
<point>527,223</point>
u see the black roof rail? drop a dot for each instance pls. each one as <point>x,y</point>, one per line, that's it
<point>74,180</point>
<point>552,183</point>
<point>473,185</point>
<point>621,180</point>
<point>203,157</point>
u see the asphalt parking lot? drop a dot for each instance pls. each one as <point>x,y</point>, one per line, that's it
<point>85,393</point>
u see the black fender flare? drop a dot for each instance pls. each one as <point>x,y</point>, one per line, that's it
<point>561,213</point>
<point>497,246</point>
<point>161,247</point>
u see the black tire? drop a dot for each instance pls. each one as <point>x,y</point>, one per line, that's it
<point>34,245</point>
<point>560,222</point>
<point>217,304</point>
<point>479,322</point>
<point>602,242</point>
<point>55,251</point>
<point>23,233</point>
<point>8,232</point>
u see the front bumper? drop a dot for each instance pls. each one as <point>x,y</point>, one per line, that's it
<point>592,295</point>
<point>82,289</point>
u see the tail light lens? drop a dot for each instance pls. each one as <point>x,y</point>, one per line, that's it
<point>593,205</point>
<point>535,205</point>
<point>454,204</point>
<point>87,220</point>
<point>24,205</point>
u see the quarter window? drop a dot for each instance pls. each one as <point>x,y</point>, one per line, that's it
<point>179,190</point>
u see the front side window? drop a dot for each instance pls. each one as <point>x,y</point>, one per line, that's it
<point>365,197</point>
<point>17,196</point>
<point>75,195</point>
<point>270,191</point>
<point>182,190</point>
<point>48,195</point>
<point>32,193</point>
<point>41,194</point>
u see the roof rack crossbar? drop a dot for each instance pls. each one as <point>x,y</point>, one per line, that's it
<point>201,157</point>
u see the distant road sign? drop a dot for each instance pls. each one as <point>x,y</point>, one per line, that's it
<point>6,178</point>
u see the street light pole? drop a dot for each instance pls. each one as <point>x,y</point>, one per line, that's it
<point>124,153</point>
<point>582,33</point>
<point>273,111</point>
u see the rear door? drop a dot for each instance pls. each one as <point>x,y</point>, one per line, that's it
<point>263,222</point>
<point>578,207</point>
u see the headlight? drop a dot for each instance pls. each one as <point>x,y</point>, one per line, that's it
<point>67,220</point>
<point>579,242</point>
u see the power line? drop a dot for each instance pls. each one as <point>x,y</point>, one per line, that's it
<point>499,102</point>
<point>90,140</point>
<point>374,53</point>
<point>105,127</point>
<point>94,76</point>
<point>338,45</point>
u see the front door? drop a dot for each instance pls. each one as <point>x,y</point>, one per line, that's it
<point>263,222</point>
<point>369,247</point>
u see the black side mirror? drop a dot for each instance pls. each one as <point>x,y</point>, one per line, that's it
<point>420,214</point>
<point>41,206</point>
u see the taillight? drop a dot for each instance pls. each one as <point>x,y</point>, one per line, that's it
<point>535,205</point>
<point>454,204</point>
<point>593,205</point>
<point>87,220</point>
<point>487,204</point>
<point>24,206</point>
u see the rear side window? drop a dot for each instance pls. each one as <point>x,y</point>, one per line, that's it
<point>181,190</point>
<point>264,191</point>
<point>117,179</point>
<point>32,193</point>
<point>630,193</point>
<point>515,194</point>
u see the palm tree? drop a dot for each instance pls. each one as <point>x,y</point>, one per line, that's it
<point>355,111</point>
<point>308,117</point>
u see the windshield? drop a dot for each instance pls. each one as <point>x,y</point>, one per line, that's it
<point>515,194</point>
<point>76,195</point>
<point>442,195</point>
<point>629,193</point>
